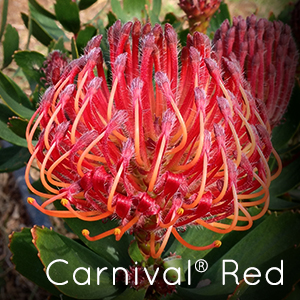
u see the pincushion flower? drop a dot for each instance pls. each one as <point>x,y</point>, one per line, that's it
<point>168,145</point>
<point>267,54</point>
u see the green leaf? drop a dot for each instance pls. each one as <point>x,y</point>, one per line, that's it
<point>26,260</point>
<point>10,45</point>
<point>154,11</point>
<point>67,13</point>
<point>286,14</point>
<point>38,185</point>
<point>9,136</point>
<point>290,122</point>
<point>130,293</point>
<point>274,239</point>
<point>42,10</point>
<point>118,11</point>
<point>197,237</point>
<point>14,91</point>
<point>57,45</point>
<point>287,180</point>
<point>240,289</point>
<point>37,30</point>
<point>31,63</point>
<point>291,266</point>
<point>4,17</point>
<point>48,24</point>
<point>18,108</point>
<point>134,9</point>
<point>84,4</point>
<point>172,19</point>
<point>84,36</point>
<point>135,253</point>
<point>108,248</point>
<point>280,204</point>
<point>5,113</point>
<point>218,18</point>
<point>295,295</point>
<point>18,126</point>
<point>52,246</point>
<point>13,158</point>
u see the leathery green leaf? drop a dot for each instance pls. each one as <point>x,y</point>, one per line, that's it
<point>86,275</point>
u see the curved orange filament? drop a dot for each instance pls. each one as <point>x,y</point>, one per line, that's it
<point>247,218</point>
<point>86,234</point>
<point>267,126</point>
<point>52,213</point>
<point>53,166</point>
<point>225,184</point>
<point>202,187</point>
<point>265,165</point>
<point>48,127</point>
<point>266,199</point>
<point>59,88</point>
<point>215,244</point>
<point>59,213</point>
<point>29,133</point>
<point>226,228</point>
<point>77,119</point>
<point>183,128</point>
<point>226,94</point>
<point>157,164</point>
<point>199,149</point>
<point>80,86</point>
<point>127,226</point>
<point>279,163</point>
<point>32,189</point>
<point>85,154</point>
<point>99,215</point>
<point>51,200</point>
<point>254,195</point>
<point>42,171</point>
<point>188,124</point>
<point>113,189</point>
<point>252,137</point>
<point>137,133</point>
<point>111,99</point>
<point>162,246</point>
<point>179,213</point>
<point>237,143</point>
<point>246,102</point>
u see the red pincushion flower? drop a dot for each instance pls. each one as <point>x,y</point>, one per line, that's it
<point>266,54</point>
<point>54,66</point>
<point>164,147</point>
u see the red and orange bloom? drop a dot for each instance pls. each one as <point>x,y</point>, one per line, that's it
<point>266,53</point>
<point>162,148</point>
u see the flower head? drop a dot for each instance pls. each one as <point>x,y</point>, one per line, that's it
<point>53,66</point>
<point>266,52</point>
<point>161,147</point>
<point>199,12</point>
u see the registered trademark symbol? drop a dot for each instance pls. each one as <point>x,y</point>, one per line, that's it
<point>201,265</point>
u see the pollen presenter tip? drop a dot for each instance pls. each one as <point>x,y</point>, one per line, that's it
<point>218,244</point>
<point>85,232</point>
<point>64,202</point>
<point>30,200</point>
